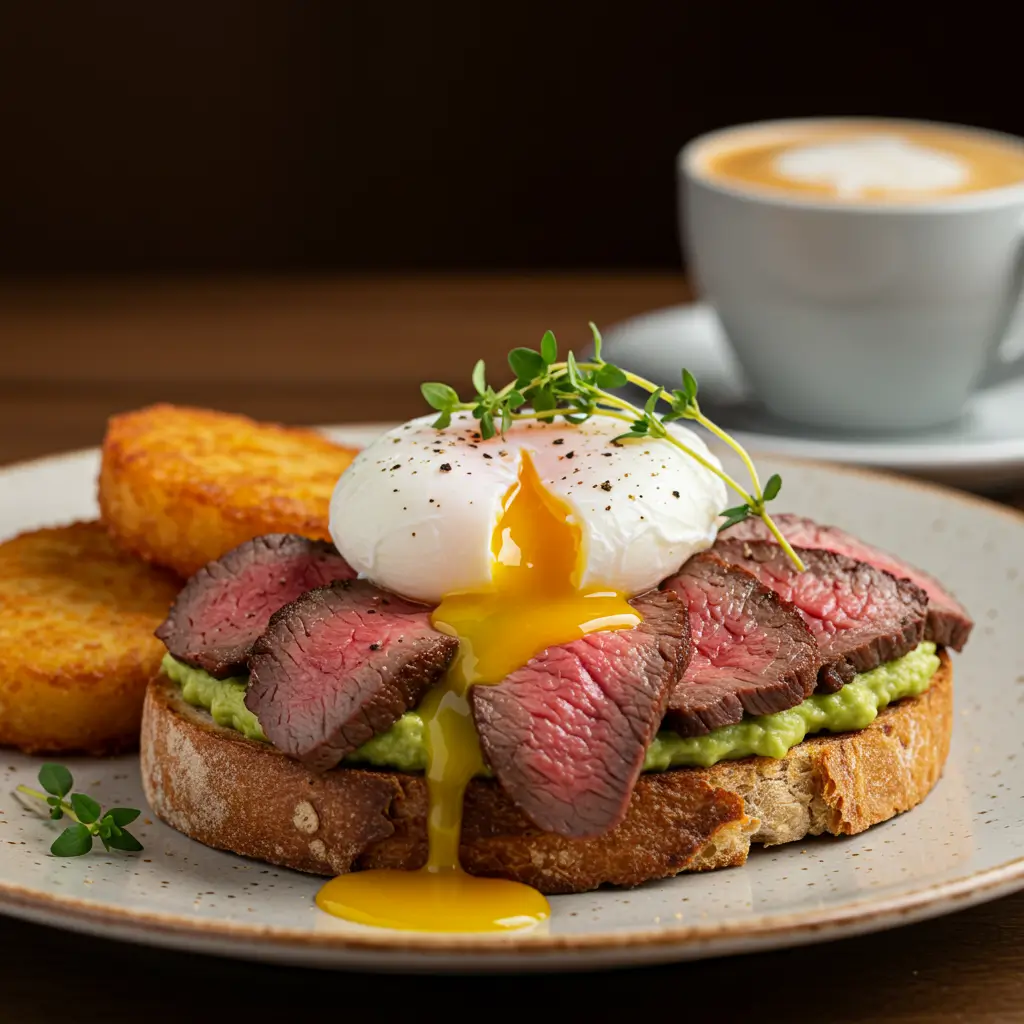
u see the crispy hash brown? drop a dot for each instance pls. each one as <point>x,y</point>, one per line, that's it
<point>76,640</point>
<point>180,486</point>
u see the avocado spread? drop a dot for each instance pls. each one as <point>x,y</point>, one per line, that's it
<point>403,746</point>
<point>223,698</point>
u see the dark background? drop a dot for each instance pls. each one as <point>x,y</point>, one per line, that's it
<point>259,136</point>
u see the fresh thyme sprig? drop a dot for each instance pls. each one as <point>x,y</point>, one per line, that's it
<point>545,388</point>
<point>89,820</point>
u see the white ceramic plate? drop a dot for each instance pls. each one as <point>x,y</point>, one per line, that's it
<point>965,844</point>
<point>983,450</point>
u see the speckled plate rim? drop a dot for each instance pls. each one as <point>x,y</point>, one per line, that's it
<point>529,951</point>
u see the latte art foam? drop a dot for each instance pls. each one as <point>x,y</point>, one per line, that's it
<point>859,166</point>
<point>853,160</point>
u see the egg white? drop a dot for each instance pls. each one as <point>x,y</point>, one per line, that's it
<point>415,511</point>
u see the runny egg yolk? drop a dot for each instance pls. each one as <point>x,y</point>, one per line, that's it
<point>533,602</point>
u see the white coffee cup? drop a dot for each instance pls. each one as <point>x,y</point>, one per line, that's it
<point>856,315</point>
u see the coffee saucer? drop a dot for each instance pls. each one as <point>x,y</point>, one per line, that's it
<point>983,450</point>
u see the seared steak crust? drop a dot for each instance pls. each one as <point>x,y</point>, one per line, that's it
<point>948,622</point>
<point>752,652</point>
<point>225,606</point>
<point>567,733</point>
<point>861,616</point>
<point>340,665</point>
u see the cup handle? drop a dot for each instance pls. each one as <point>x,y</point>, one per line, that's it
<point>1001,365</point>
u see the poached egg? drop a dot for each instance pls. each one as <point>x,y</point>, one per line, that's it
<point>520,543</point>
<point>416,511</point>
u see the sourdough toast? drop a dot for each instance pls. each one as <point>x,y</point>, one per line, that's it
<point>241,795</point>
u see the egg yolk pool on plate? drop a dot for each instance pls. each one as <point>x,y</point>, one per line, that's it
<point>533,602</point>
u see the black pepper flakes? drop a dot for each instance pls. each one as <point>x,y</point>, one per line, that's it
<point>607,508</point>
<point>559,440</point>
<point>606,486</point>
<point>397,465</point>
<point>488,455</point>
<point>675,494</point>
<point>570,455</point>
<point>446,467</point>
<point>374,647</point>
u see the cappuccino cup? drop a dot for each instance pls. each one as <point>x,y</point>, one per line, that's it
<point>868,273</point>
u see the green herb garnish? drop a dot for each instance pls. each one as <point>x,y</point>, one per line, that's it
<point>545,388</point>
<point>89,820</point>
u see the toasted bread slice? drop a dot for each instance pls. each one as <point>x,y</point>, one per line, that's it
<point>845,783</point>
<point>180,487</point>
<point>236,794</point>
<point>76,640</point>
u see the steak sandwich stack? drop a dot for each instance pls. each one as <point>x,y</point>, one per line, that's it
<point>750,704</point>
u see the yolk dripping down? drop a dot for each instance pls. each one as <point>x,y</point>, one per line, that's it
<point>533,602</point>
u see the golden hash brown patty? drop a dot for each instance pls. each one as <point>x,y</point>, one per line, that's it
<point>180,486</point>
<point>76,640</point>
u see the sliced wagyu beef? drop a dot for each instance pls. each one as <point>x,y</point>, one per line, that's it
<point>752,654</point>
<point>566,734</point>
<point>340,665</point>
<point>227,604</point>
<point>860,616</point>
<point>948,621</point>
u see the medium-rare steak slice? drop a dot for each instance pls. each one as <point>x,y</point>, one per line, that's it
<point>948,621</point>
<point>225,606</point>
<point>340,665</point>
<point>752,654</point>
<point>567,733</point>
<point>861,616</point>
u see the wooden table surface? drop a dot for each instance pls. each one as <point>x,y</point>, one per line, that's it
<point>355,349</point>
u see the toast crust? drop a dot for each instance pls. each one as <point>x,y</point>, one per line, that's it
<point>236,794</point>
<point>845,783</point>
